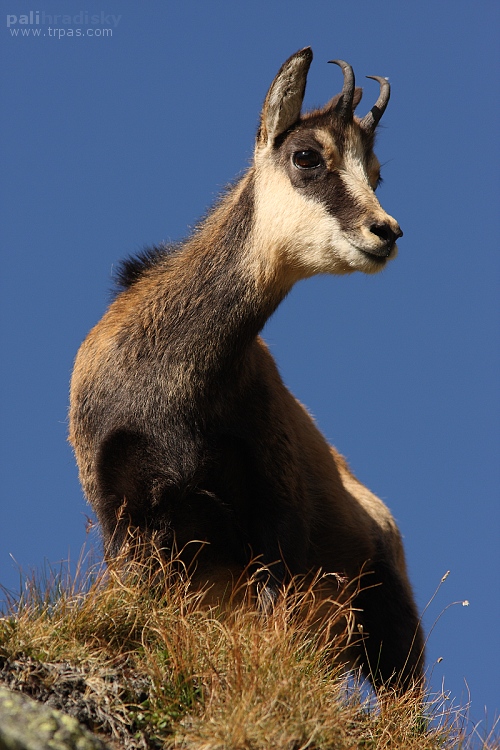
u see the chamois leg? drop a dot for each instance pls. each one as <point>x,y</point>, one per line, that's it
<point>393,644</point>
<point>272,532</point>
<point>130,494</point>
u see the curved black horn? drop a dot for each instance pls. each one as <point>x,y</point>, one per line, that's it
<point>369,121</point>
<point>344,106</point>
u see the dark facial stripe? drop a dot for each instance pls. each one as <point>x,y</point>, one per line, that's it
<point>329,188</point>
<point>325,183</point>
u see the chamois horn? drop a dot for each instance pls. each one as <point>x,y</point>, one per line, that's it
<point>369,121</point>
<point>344,106</point>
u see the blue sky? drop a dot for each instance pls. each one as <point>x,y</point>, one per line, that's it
<point>113,142</point>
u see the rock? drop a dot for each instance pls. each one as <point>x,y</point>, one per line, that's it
<point>28,725</point>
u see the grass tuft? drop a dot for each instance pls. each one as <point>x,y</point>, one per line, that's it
<point>138,656</point>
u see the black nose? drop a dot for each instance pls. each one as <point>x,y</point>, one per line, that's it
<point>386,232</point>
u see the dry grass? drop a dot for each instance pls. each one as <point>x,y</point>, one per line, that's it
<point>153,666</point>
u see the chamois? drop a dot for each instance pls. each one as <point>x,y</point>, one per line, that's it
<point>182,427</point>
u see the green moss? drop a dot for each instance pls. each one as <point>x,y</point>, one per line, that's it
<point>28,725</point>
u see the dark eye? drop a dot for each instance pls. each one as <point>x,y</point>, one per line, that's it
<point>307,159</point>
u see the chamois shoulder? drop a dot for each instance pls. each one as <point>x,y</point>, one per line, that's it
<point>131,269</point>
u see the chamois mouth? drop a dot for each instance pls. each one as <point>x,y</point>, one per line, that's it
<point>377,253</point>
<point>380,257</point>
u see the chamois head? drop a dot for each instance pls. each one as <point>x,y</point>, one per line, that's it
<point>316,175</point>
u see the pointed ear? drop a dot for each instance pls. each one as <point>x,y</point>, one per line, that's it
<point>283,102</point>
<point>358,93</point>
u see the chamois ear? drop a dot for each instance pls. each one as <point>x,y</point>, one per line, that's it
<point>283,102</point>
<point>358,93</point>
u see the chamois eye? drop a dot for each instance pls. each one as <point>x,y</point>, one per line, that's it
<point>306,159</point>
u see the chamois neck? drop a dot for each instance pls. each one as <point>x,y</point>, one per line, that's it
<point>215,298</point>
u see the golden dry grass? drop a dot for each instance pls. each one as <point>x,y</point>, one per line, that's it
<point>153,666</point>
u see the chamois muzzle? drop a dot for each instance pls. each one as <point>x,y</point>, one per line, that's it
<point>389,235</point>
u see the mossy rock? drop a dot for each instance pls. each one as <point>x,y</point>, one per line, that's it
<point>28,725</point>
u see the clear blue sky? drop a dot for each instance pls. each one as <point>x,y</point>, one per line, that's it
<point>113,142</point>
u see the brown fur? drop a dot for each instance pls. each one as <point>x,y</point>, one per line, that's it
<point>180,422</point>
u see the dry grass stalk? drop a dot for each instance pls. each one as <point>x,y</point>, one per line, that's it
<point>135,653</point>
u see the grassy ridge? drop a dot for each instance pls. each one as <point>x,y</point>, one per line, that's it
<point>152,666</point>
